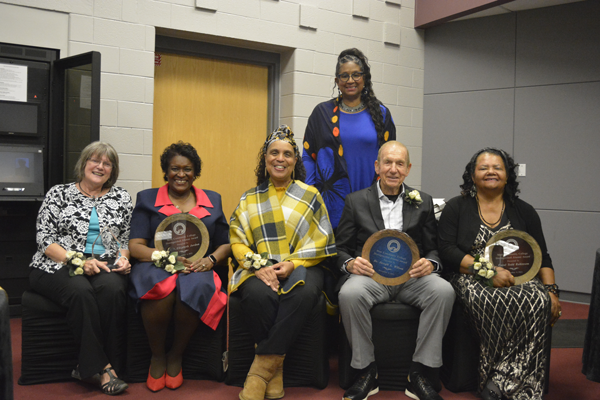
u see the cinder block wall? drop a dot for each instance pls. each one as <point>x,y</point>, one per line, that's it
<point>313,32</point>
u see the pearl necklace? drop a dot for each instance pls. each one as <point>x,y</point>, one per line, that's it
<point>351,110</point>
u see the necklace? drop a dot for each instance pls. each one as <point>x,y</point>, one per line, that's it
<point>184,201</point>
<point>349,109</point>
<point>491,225</point>
<point>86,193</point>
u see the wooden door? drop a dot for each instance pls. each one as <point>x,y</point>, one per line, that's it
<point>220,107</point>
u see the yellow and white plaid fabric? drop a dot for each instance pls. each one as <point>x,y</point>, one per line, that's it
<point>297,227</point>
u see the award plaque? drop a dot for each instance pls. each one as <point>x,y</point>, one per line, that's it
<point>392,253</point>
<point>517,252</point>
<point>183,233</point>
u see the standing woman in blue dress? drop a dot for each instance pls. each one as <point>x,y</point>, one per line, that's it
<point>344,134</point>
<point>190,296</point>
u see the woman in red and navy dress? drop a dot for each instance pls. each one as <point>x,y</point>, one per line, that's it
<point>193,295</point>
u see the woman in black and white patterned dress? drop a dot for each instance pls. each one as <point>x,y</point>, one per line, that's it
<point>75,217</point>
<point>510,320</point>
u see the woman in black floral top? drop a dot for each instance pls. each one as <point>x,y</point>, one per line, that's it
<point>74,219</point>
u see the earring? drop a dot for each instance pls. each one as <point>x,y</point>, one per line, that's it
<point>473,191</point>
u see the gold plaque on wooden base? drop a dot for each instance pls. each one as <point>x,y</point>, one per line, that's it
<point>517,252</point>
<point>183,233</point>
<point>392,253</point>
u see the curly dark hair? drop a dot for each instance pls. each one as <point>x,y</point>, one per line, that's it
<point>368,95</point>
<point>512,186</point>
<point>261,169</point>
<point>180,149</point>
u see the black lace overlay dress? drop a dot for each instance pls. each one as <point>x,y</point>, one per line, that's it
<point>511,323</point>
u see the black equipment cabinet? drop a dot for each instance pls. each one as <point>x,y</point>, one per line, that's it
<point>43,133</point>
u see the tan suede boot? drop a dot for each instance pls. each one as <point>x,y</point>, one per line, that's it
<point>261,371</point>
<point>275,385</point>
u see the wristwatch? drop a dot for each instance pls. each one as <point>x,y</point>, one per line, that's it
<point>212,259</point>
<point>345,265</point>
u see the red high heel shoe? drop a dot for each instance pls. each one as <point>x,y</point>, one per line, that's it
<point>173,382</point>
<point>156,384</point>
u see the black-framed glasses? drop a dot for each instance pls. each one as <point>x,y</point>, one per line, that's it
<point>356,76</point>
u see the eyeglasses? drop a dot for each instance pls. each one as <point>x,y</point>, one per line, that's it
<point>356,76</point>
<point>105,164</point>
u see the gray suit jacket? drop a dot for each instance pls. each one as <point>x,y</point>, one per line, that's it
<point>362,217</point>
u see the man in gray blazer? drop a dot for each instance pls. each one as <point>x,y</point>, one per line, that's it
<point>387,205</point>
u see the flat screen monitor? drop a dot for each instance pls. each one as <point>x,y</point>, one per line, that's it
<point>21,171</point>
<point>18,119</point>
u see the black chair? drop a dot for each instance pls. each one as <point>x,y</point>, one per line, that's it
<point>591,345</point>
<point>460,353</point>
<point>395,327</point>
<point>48,351</point>
<point>306,364</point>
<point>202,358</point>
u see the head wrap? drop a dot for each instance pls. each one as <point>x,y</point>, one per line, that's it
<point>283,133</point>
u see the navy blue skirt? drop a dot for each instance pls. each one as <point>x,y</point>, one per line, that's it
<point>202,291</point>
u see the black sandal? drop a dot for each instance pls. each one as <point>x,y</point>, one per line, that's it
<point>114,385</point>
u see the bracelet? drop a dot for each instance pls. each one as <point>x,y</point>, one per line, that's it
<point>553,288</point>
<point>212,259</point>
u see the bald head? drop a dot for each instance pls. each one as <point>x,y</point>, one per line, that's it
<point>392,166</point>
<point>394,143</point>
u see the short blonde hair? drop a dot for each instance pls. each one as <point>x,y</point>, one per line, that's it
<point>98,149</point>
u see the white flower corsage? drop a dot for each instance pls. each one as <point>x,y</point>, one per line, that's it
<point>75,262</point>
<point>483,271</point>
<point>413,198</point>
<point>254,262</point>
<point>167,261</point>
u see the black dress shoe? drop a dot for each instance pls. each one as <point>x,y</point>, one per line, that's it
<point>419,388</point>
<point>365,385</point>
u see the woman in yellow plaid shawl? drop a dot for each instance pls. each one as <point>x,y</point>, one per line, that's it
<point>279,233</point>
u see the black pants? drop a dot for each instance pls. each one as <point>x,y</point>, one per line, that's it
<point>96,314</point>
<point>275,320</point>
